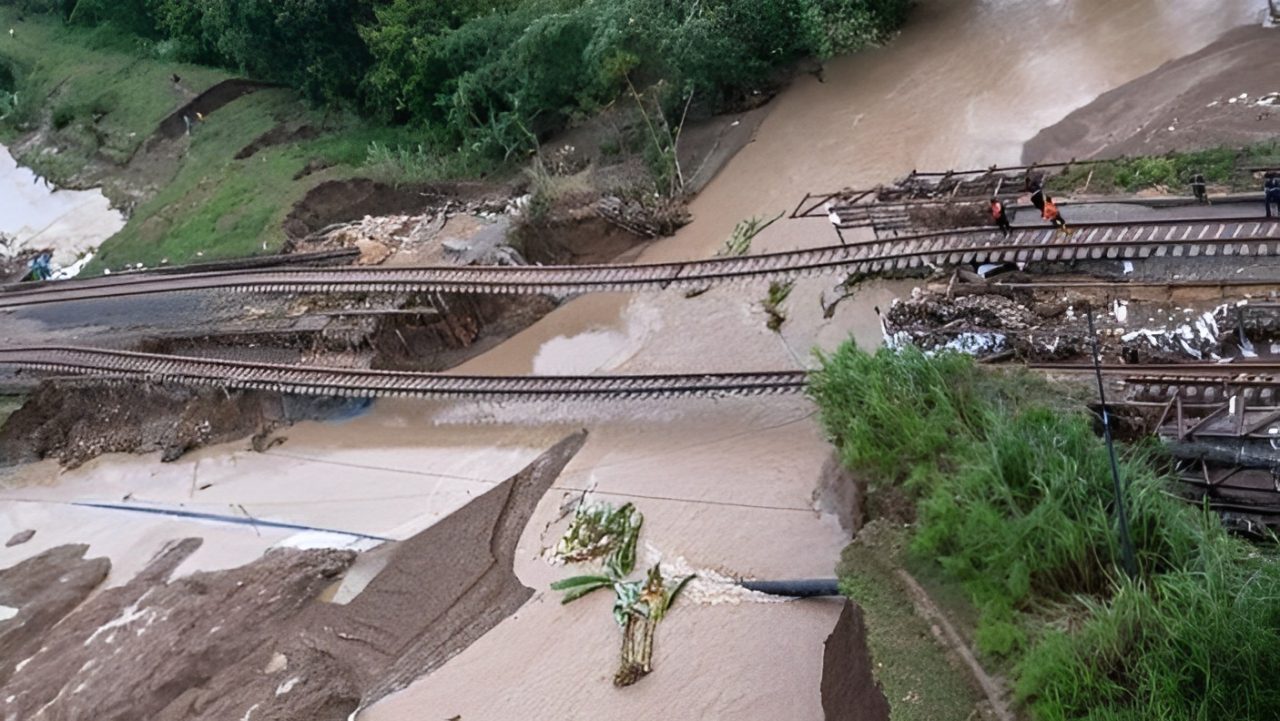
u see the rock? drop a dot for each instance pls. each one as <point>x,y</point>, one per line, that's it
<point>454,245</point>
<point>20,538</point>
<point>372,252</point>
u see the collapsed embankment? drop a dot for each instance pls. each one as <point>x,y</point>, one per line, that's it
<point>74,422</point>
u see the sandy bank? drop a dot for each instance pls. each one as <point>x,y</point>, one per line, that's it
<point>1202,100</point>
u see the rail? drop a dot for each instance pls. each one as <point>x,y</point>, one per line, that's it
<point>308,380</point>
<point>1094,241</point>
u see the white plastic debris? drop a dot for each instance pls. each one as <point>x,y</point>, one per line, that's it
<point>1120,309</point>
<point>1128,267</point>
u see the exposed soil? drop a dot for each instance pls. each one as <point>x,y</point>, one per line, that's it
<point>205,103</point>
<point>468,326</point>
<point>255,641</point>
<point>849,689</point>
<point>577,239</point>
<point>340,201</point>
<point>279,135</point>
<point>74,422</point>
<point>20,538</point>
<point>43,589</point>
<point>842,494</point>
<point>134,651</point>
<point>1183,105</point>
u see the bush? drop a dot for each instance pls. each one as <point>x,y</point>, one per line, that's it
<point>64,115</point>
<point>1015,501</point>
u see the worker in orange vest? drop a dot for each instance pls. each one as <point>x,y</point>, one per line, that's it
<point>998,215</point>
<point>1053,215</point>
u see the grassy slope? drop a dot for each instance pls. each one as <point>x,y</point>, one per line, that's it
<point>213,205</point>
<point>1013,503</point>
<point>223,207</point>
<point>1220,166</point>
<point>76,74</point>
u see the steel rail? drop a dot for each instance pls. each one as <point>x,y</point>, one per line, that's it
<point>1234,237</point>
<point>311,380</point>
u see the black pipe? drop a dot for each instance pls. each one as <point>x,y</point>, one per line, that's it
<point>797,588</point>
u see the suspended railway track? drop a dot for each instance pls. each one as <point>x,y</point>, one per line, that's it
<point>1185,238</point>
<point>307,380</point>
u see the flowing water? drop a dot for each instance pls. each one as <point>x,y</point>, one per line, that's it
<point>965,85</point>
<point>38,215</point>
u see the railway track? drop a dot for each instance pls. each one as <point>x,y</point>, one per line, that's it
<point>1264,377</point>
<point>304,380</point>
<point>1192,390</point>
<point>1186,238</point>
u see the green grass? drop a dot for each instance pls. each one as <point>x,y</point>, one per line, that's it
<point>1220,166</point>
<point>920,680</point>
<point>1014,502</point>
<point>96,97</point>
<point>227,208</point>
<point>102,95</point>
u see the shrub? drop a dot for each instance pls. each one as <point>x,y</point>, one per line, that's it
<point>1015,501</point>
<point>64,115</point>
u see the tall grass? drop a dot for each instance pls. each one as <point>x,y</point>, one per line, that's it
<point>1014,500</point>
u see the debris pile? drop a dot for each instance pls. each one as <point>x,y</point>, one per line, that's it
<point>990,324</point>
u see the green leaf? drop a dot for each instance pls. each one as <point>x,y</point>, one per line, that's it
<point>575,581</point>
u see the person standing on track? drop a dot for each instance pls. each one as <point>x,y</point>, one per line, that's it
<point>1051,213</point>
<point>1198,188</point>
<point>1271,193</point>
<point>1002,219</point>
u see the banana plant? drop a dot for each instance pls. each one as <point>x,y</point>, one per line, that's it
<point>638,605</point>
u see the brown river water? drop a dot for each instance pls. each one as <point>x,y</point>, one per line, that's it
<point>724,484</point>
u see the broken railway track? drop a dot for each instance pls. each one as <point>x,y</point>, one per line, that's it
<point>903,254</point>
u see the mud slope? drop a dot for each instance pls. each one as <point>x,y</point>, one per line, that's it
<point>1181,105</point>
<point>438,592</point>
<point>42,590</point>
<point>131,651</point>
<point>253,642</point>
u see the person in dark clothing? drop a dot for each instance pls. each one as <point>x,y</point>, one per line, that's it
<point>1033,182</point>
<point>1037,199</point>
<point>1271,193</point>
<point>1002,219</point>
<point>1199,188</point>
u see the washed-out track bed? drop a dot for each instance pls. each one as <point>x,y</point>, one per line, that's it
<point>908,253</point>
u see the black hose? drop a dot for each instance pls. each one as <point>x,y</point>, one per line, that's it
<point>798,588</point>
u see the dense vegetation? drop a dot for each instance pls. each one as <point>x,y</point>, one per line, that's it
<point>493,75</point>
<point>1014,500</point>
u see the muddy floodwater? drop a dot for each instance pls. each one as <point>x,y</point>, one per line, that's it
<point>725,484</point>
<point>40,215</point>
<point>965,85</point>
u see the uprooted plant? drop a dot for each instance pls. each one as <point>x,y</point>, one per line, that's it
<point>739,241</point>
<point>602,531</point>
<point>772,304</point>
<point>598,530</point>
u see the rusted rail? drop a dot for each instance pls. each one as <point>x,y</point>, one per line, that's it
<point>1162,388</point>
<point>304,380</point>
<point>1095,241</point>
